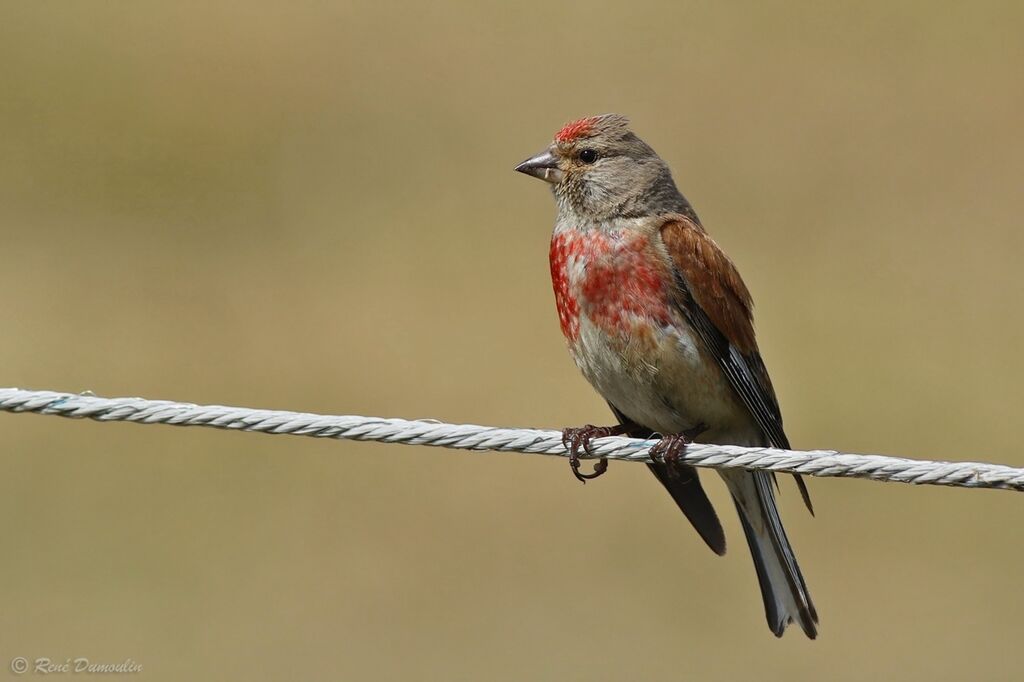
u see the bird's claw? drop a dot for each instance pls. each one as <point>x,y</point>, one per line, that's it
<point>668,447</point>
<point>580,437</point>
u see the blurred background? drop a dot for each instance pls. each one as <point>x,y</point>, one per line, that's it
<point>311,206</point>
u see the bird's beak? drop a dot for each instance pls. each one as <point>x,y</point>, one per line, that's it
<point>543,166</point>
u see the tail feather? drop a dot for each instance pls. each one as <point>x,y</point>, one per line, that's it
<point>683,484</point>
<point>785,594</point>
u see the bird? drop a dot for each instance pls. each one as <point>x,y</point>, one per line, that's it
<point>658,320</point>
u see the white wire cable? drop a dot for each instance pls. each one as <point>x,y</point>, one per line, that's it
<point>536,441</point>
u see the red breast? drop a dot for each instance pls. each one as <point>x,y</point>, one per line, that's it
<point>616,279</point>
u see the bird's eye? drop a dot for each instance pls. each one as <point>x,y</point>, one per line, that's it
<point>588,156</point>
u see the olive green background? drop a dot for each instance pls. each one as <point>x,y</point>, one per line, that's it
<point>311,206</point>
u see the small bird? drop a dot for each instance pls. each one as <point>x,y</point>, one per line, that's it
<point>658,320</point>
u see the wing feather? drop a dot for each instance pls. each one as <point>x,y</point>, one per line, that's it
<point>716,302</point>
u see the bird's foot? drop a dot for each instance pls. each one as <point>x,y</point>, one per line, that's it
<point>580,437</point>
<point>668,448</point>
<point>671,446</point>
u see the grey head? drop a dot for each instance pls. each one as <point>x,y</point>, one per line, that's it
<point>600,170</point>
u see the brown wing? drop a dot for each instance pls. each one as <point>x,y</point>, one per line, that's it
<point>717,304</point>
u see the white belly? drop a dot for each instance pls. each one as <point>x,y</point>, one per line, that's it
<point>670,386</point>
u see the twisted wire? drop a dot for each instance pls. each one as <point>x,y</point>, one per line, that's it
<point>490,438</point>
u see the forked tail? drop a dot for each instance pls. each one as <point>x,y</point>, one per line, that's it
<point>785,594</point>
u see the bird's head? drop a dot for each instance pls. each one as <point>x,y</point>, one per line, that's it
<point>599,169</point>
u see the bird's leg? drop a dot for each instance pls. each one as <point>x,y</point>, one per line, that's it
<point>575,438</point>
<point>671,446</point>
